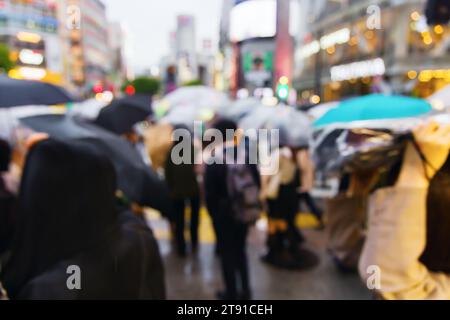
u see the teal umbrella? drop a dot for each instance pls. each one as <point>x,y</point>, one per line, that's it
<point>375,107</point>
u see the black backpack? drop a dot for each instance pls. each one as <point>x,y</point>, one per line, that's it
<point>243,191</point>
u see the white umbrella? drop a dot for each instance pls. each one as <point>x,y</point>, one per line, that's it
<point>240,108</point>
<point>295,126</point>
<point>9,117</point>
<point>88,109</point>
<point>187,115</point>
<point>257,119</point>
<point>199,96</point>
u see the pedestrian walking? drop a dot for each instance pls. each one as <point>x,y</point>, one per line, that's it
<point>280,192</point>
<point>181,178</point>
<point>307,173</point>
<point>231,190</point>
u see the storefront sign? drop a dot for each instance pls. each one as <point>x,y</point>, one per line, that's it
<point>27,56</point>
<point>341,36</point>
<point>309,49</point>
<point>369,68</point>
<point>338,37</point>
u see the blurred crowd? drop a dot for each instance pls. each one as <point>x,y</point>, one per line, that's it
<point>60,209</point>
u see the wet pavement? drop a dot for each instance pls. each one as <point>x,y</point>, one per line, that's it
<point>198,276</point>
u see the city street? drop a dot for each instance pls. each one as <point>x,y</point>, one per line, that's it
<point>198,276</point>
<point>226,151</point>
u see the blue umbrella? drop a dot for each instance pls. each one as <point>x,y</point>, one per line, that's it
<point>375,107</point>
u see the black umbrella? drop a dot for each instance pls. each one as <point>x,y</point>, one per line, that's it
<point>14,93</point>
<point>122,114</point>
<point>135,179</point>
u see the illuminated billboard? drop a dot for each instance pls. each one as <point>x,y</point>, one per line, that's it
<point>258,19</point>
<point>253,19</point>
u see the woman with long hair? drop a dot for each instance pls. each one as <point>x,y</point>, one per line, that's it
<point>68,220</point>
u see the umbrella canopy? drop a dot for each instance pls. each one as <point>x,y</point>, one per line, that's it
<point>295,126</point>
<point>320,110</point>
<point>88,109</point>
<point>187,114</point>
<point>374,107</point>
<point>122,114</point>
<point>257,119</point>
<point>14,93</point>
<point>240,108</point>
<point>135,179</point>
<point>199,96</point>
<point>441,99</point>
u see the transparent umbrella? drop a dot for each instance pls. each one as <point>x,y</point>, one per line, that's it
<point>257,118</point>
<point>187,115</point>
<point>240,108</point>
<point>199,96</point>
<point>295,126</point>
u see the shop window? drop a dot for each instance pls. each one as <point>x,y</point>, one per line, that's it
<point>425,39</point>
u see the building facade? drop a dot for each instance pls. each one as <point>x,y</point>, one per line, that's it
<point>186,62</point>
<point>186,49</point>
<point>30,30</point>
<point>119,70</point>
<point>256,44</point>
<point>88,59</point>
<point>350,48</point>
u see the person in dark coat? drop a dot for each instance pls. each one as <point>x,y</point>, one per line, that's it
<point>184,191</point>
<point>7,201</point>
<point>68,220</point>
<point>231,235</point>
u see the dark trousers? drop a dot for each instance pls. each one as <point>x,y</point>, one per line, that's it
<point>232,241</point>
<point>179,207</point>
<point>289,238</point>
<point>311,204</point>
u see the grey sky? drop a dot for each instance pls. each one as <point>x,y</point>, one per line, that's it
<point>149,23</point>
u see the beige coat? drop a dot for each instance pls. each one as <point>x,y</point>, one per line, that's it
<point>395,242</point>
<point>345,228</point>
<point>158,142</point>
<point>307,170</point>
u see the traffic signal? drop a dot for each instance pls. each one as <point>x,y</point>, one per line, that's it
<point>283,89</point>
<point>130,90</point>
<point>438,12</point>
